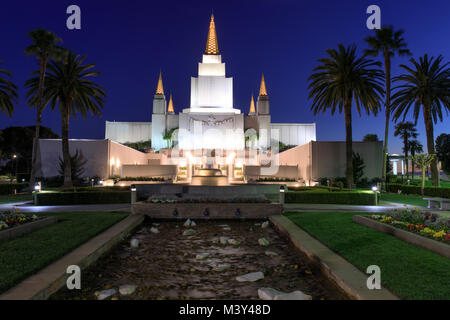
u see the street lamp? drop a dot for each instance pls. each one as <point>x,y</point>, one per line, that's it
<point>282,190</point>
<point>375,191</point>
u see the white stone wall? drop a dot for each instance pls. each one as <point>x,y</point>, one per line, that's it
<point>295,133</point>
<point>124,132</point>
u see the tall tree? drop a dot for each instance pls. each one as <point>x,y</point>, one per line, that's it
<point>387,42</point>
<point>406,131</point>
<point>342,79</point>
<point>68,87</point>
<point>44,46</point>
<point>8,93</point>
<point>415,147</point>
<point>443,151</point>
<point>426,86</point>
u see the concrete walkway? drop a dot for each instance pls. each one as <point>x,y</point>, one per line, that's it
<point>29,207</point>
<point>335,207</point>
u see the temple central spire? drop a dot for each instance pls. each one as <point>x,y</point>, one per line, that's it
<point>212,46</point>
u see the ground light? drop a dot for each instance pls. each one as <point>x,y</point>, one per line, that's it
<point>282,195</point>
<point>375,191</point>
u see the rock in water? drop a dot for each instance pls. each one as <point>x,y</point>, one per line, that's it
<point>187,224</point>
<point>250,277</point>
<point>193,224</point>
<point>222,267</point>
<point>268,293</point>
<point>270,253</point>
<point>202,256</point>
<point>189,232</point>
<point>263,242</point>
<point>127,289</point>
<point>233,242</point>
<point>265,225</point>
<point>154,230</point>
<point>134,243</point>
<point>295,295</point>
<point>101,295</point>
<point>223,240</point>
<point>226,229</point>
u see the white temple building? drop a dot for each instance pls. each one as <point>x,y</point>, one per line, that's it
<point>211,133</point>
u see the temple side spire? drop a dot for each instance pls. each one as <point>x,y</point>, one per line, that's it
<point>170,106</point>
<point>262,88</point>
<point>159,88</point>
<point>212,46</point>
<point>252,106</point>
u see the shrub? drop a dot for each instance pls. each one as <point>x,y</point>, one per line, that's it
<point>331,198</point>
<point>8,188</point>
<point>410,189</point>
<point>86,197</point>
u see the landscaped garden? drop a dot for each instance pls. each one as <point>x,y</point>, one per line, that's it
<point>40,248</point>
<point>408,271</point>
<point>13,218</point>
<point>329,195</point>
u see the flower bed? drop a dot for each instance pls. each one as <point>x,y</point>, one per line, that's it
<point>14,218</point>
<point>425,224</point>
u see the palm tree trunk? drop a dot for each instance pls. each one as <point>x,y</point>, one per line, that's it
<point>430,143</point>
<point>39,108</point>
<point>387,69</point>
<point>405,146</point>
<point>348,142</point>
<point>65,148</point>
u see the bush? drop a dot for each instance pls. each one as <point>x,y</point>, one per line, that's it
<point>354,198</point>
<point>86,197</point>
<point>428,191</point>
<point>142,179</point>
<point>8,188</point>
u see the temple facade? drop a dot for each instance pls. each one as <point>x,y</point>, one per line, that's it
<point>212,121</point>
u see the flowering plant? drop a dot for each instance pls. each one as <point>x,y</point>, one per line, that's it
<point>14,218</point>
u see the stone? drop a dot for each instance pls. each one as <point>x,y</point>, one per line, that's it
<point>127,289</point>
<point>273,294</point>
<point>265,225</point>
<point>202,256</point>
<point>101,295</point>
<point>295,295</point>
<point>222,267</point>
<point>233,242</point>
<point>193,224</point>
<point>268,293</point>
<point>226,229</point>
<point>263,242</point>
<point>189,223</point>
<point>270,253</point>
<point>250,277</point>
<point>189,232</point>
<point>154,230</point>
<point>223,240</point>
<point>134,243</point>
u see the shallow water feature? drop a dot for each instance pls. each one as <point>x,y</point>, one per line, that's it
<point>168,265</point>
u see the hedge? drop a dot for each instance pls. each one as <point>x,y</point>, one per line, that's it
<point>71,198</point>
<point>440,192</point>
<point>354,198</point>
<point>8,188</point>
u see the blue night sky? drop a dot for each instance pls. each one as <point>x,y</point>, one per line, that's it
<point>130,41</point>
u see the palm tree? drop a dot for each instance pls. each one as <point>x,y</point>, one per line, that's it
<point>406,131</point>
<point>344,78</point>
<point>8,93</point>
<point>415,147</point>
<point>69,88</point>
<point>387,43</point>
<point>44,46</point>
<point>426,86</point>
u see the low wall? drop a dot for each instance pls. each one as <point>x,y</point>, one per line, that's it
<point>18,231</point>
<point>215,210</point>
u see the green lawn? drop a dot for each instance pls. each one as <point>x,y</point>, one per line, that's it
<point>21,257</point>
<point>9,198</point>
<point>412,199</point>
<point>406,270</point>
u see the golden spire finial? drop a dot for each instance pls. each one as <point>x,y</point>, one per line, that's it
<point>212,46</point>
<point>159,88</point>
<point>262,88</point>
<point>170,106</point>
<point>252,106</point>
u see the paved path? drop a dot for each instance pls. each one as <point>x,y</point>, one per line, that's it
<point>29,207</point>
<point>334,207</point>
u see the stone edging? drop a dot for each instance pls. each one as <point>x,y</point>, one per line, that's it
<point>47,281</point>
<point>409,237</point>
<point>25,228</point>
<point>345,275</point>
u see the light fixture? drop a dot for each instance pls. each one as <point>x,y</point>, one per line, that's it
<point>282,189</point>
<point>374,188</point>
